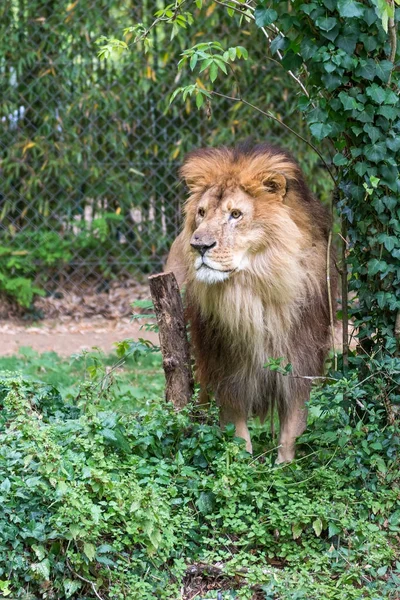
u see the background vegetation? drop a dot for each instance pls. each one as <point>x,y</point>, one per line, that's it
<point>89,185</point>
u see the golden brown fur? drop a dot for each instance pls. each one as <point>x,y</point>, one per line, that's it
<point>255,283</point>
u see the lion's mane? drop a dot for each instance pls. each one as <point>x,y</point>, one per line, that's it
<point>277,306</point>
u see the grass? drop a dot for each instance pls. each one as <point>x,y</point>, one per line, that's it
<point>134,382</point>
<point>108,492</point>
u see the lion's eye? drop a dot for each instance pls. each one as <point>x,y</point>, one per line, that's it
<point>201,212</point>
<point>235,214</point>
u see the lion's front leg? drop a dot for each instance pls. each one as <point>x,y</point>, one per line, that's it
<point>229,414</point>
<point>293,422</point>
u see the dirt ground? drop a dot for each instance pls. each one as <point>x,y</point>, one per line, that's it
<point>68,323</point>
<point>69,337</point>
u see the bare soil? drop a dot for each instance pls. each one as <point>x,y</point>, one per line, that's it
<point>69,336</point>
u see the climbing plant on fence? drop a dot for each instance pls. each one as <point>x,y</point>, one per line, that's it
<point>342,57</point>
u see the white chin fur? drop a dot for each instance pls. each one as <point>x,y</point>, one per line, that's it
<point>207,275</point>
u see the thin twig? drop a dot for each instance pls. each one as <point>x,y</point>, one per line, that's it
<point>250,15</point>
<point>84,579</point>
<point>269,115</point>
<point>328,282</point>
<point>397,327</point>
<point>345,293</point>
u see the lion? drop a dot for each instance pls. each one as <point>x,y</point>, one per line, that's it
<point>253,257</point>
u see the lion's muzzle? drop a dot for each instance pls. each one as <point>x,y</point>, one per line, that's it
<point>202,242</point>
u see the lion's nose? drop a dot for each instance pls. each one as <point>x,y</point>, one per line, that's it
<point>202,245</point>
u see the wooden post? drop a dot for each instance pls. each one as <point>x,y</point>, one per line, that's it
<point>173,340</point>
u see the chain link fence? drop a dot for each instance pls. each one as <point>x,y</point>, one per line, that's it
<point>90,150</point>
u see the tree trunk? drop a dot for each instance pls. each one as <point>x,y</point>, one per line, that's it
<point>173,340</point>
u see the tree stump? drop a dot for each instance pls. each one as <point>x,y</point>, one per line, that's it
<point>173,339</point>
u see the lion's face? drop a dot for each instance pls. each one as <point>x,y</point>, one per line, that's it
<point>225,232</point>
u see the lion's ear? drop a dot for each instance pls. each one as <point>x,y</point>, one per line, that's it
<point>275,183</point>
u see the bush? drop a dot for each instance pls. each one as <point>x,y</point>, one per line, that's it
<point>97,502</point>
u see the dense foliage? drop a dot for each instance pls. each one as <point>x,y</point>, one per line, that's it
<point>112,498</point>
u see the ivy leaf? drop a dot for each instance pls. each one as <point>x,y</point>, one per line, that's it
<point>376,93</point>
<point>375,152</point>
<point>279,43</point>
<point>339,160</point>
<point>292,61</point>
<point>393,144</point>
<point>373,132</point>
<point>320,130</point>
<point>348,40</point>
<point>333,530</point>
<point>326,23</point>
<point>383,70</point>
<point>388,112</point>
<point>265,16</point>
<point>350,8</point>
<point>391,97</point>
<point>347,101</point>
<point>376,266</point>
<point>366,69</point>
<point>331,81</point>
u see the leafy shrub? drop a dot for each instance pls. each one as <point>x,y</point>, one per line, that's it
<point>96,501</point>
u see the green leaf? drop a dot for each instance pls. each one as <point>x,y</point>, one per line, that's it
<point>373,132</point>
<point>317,526</point>
<point>375,152</point>
<point>366,69</point>
<point>326,23</point>
<point>332,81</point>
<point>89,550</point>
<point>292,61</point>
<point>199,100</point>
<point>278,43</point>
<point>350,8</point>
<point>205,503</point>
<point>393,144</point>
<point>320,130</point>
<point>213,71</point>
<point>391,97</point>
<point>5,485</point>
<point>376,93</point>
<point>193,61</point>
<point>333,529</point>
<point>347,101</point>
<point>339,160</point>
<point>376,266</point>
<point>297,530</point>
<point>383,70</point>
<point>265,16</point>
<point>388,112</point>
<point>42,568</point>
<point>70,587</point>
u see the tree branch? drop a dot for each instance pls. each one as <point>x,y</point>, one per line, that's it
<point>392,30</point>
<point>328,283</point>
<point>269,115</point>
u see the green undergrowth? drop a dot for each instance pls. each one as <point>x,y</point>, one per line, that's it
<point>133,380</point>
<point>108,493</point>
